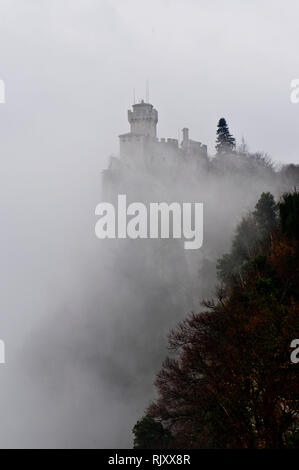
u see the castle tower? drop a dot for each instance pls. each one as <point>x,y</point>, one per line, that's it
<point>143,119</point>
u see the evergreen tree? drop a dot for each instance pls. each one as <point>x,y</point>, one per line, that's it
<point>230,382</point>
<point>251,232</point>
<point>265,213</point>
<point>225,143</point>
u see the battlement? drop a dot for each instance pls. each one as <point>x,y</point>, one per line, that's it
<point>143,119</point>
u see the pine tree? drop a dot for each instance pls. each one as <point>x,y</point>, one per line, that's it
<point>150,434</point>
<point>225,143</point>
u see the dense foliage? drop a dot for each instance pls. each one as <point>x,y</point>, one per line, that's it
<point>229,382</point>
<point>225,141</point>
<point>251,234</point>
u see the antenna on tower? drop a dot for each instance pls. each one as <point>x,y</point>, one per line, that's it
<point>134,98</point>
<point>147,91</point>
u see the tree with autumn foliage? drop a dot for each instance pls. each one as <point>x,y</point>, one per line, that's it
<point>229,381</point>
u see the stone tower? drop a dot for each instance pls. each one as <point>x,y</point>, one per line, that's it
<point>143,119</point>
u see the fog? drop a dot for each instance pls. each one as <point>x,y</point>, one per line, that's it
<point>85,321</point>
